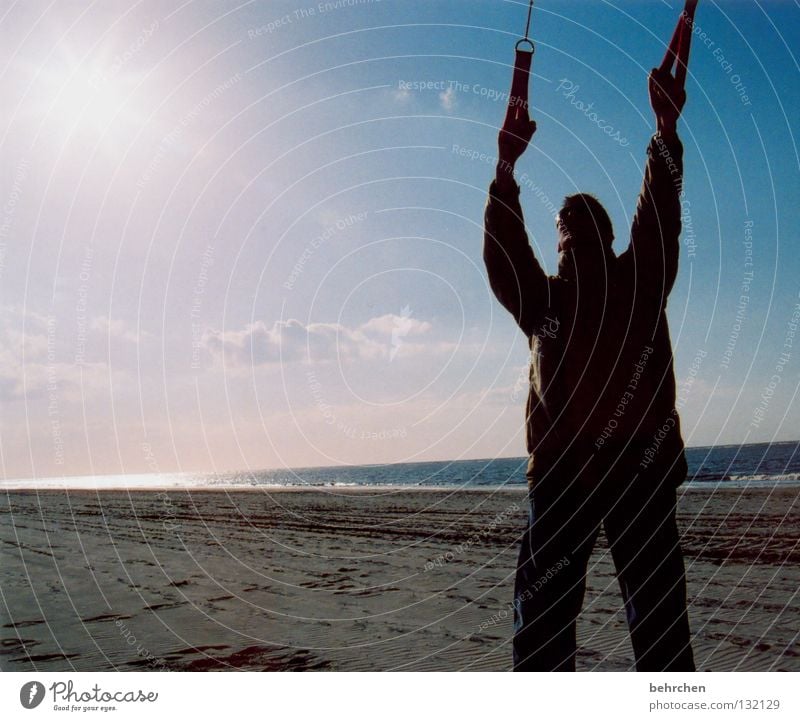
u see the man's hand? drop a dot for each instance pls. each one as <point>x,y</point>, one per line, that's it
<point>667,98</point>
<point>514,138</point>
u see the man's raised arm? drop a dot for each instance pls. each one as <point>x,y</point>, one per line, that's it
<point>654,247</point>
<point>515,275</point>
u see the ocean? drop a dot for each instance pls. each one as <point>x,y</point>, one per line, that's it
<point>761,465</point>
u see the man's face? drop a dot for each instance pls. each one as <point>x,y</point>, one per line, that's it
<point>576,226</point>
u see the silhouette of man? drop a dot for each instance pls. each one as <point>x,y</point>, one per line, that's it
<point>603,434</point>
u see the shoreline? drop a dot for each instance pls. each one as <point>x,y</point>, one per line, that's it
<point>269,490</point>
<point>697,486</point>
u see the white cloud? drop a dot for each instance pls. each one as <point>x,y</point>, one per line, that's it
<point>390,323</point>
<point>35,358</point>
<point>447,99</point>
<point>379,338</point>
<point>117,329</point>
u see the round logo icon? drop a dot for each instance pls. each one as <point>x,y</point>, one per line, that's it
<point>31,694</point>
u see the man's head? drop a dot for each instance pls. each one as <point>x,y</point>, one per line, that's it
<point>582,224</point>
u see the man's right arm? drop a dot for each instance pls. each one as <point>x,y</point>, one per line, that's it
<point>515,275</point>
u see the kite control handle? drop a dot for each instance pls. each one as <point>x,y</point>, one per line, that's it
<point>523,57</point>
<point>678,51</point>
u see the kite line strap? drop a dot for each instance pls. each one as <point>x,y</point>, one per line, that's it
<point>518,98</point>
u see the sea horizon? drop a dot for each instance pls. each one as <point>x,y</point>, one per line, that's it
<point>743,465</point>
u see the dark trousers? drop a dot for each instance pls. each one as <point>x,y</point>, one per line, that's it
<point>568,502</point>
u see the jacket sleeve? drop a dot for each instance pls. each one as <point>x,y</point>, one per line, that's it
<point>515,275</point>
<point>654,246</point>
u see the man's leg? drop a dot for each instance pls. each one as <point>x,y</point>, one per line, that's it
<point>551,574</point>
<point>645,546</point>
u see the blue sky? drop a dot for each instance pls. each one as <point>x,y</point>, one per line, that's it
<point>246,235</point>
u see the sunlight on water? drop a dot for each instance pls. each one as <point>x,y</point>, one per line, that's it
<point>761,465</point>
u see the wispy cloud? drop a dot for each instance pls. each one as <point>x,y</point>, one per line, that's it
<point>293,341</point>
<point>35,362</point>
<point>117,329</point>
<point>447,99</point>
<point>401,96</point>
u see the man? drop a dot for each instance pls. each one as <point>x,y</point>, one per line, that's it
<point>603,434</point>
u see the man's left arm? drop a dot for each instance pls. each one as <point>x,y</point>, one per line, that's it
<point>656,227</point>
<point>654,246</point>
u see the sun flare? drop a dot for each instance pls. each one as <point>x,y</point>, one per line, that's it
<point>96,98</point>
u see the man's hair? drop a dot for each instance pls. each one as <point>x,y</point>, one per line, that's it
<point>598,214</point>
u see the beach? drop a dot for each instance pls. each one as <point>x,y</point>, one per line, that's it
<point>340,579</point>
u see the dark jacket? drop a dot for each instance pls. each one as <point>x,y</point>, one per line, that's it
<point>601,375</point>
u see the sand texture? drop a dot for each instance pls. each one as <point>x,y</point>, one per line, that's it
<point>356,580</point>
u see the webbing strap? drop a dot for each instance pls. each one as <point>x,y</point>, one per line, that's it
<point>518,98</point>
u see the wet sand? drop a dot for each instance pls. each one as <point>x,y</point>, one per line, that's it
<point>357,579</point>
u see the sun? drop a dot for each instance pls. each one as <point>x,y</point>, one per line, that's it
<point>94,98</point>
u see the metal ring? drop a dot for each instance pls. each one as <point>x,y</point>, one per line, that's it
<point>525,40</point>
